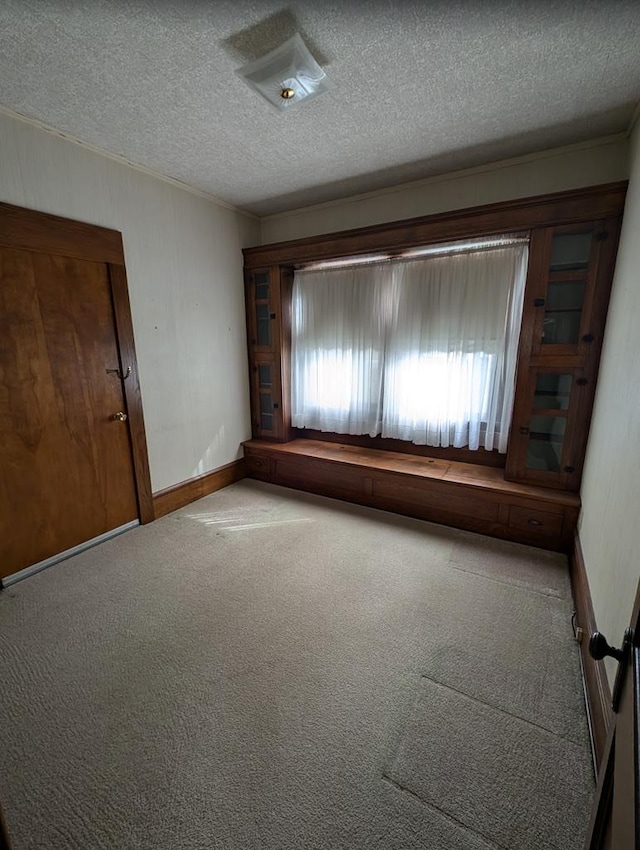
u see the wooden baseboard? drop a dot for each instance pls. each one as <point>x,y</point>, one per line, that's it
<point>166,501</point>
<point>596,683</point>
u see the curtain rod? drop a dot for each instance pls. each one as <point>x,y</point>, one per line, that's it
<point>438,250</point>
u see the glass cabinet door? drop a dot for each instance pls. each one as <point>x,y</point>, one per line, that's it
<point>544,439</point>
<point>267,297</point>
<point>262,296</point>
<point>547,428</point>
<point>570,275</point>
<point>265,400</point>
<point>568,270</point>
<point>265,391</point>
<point>565,306</point>
<point>545,443</point>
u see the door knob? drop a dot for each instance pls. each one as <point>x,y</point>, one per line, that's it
<point>119,417</point>
<point>599,648</point>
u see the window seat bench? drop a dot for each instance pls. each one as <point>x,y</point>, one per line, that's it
<point>463,495</point>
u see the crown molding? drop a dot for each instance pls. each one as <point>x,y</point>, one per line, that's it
<point>445,177</point>
<point>351,199</point>
<point>150,172</point>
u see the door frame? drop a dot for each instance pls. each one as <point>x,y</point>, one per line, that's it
<point>31,230</point>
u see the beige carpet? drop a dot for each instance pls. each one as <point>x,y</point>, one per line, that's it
<point>268,669</point>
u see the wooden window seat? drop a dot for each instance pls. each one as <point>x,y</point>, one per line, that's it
<point>463,495</point>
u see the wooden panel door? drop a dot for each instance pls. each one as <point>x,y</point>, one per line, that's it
<point>615,820</point>
<point>68,472</point>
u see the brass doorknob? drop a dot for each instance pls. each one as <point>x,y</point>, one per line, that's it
<point>119,417</point>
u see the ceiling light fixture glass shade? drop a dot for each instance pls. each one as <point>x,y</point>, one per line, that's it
<point>287,76</point>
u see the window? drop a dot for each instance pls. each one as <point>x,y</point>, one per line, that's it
<point>421,349</point>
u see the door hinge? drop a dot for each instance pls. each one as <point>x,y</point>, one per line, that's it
<point>578,631</point>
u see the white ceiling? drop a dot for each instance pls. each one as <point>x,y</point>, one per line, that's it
<point>419,86</point>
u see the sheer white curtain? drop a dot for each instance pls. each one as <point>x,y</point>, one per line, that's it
<point>422,350</point>
<point>338,336</point>
<point>452,347</point>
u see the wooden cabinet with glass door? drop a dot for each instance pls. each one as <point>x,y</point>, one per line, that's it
<point>262,293</point>
<point>546,448</point>
<point>562,328</point>
<point>565,298</point>
<point>268,333</point>
<point>266,420</point>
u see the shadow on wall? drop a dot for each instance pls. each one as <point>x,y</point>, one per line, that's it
<point>569,132</point>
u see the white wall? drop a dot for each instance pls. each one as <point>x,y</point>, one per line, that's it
<point>184,266</point>
<point>611,487</point>
<point>599,161</point>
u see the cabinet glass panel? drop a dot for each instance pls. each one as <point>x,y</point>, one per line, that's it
<point>552,391</point>
<point>570,251</point>
<point>264,377</point>
<point>261,280</point>
<point>546,438</point>
<point>566,295</point>
<point>263,324</point>
<point>266,411</point>
<point>570,254</point>
<point>561,327</point>
<point>563,313</point>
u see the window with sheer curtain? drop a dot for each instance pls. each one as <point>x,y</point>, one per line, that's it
<point>422,350</point>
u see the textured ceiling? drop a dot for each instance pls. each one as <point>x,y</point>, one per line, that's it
<point>419,87</point>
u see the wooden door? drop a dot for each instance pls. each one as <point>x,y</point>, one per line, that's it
<point>615,822</point>
<point>70,470</point>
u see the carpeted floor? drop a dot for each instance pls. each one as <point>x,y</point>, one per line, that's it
<point>268,670</point>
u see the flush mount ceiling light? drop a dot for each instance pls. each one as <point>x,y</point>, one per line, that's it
<point>287,76</point>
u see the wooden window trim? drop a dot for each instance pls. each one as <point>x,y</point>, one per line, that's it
<point>586,204</point>
<point>532,215</point>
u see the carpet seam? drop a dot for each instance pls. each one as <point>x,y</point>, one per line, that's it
<point>502,711</point>
<point>453,820</point>
<point>524,587</point>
